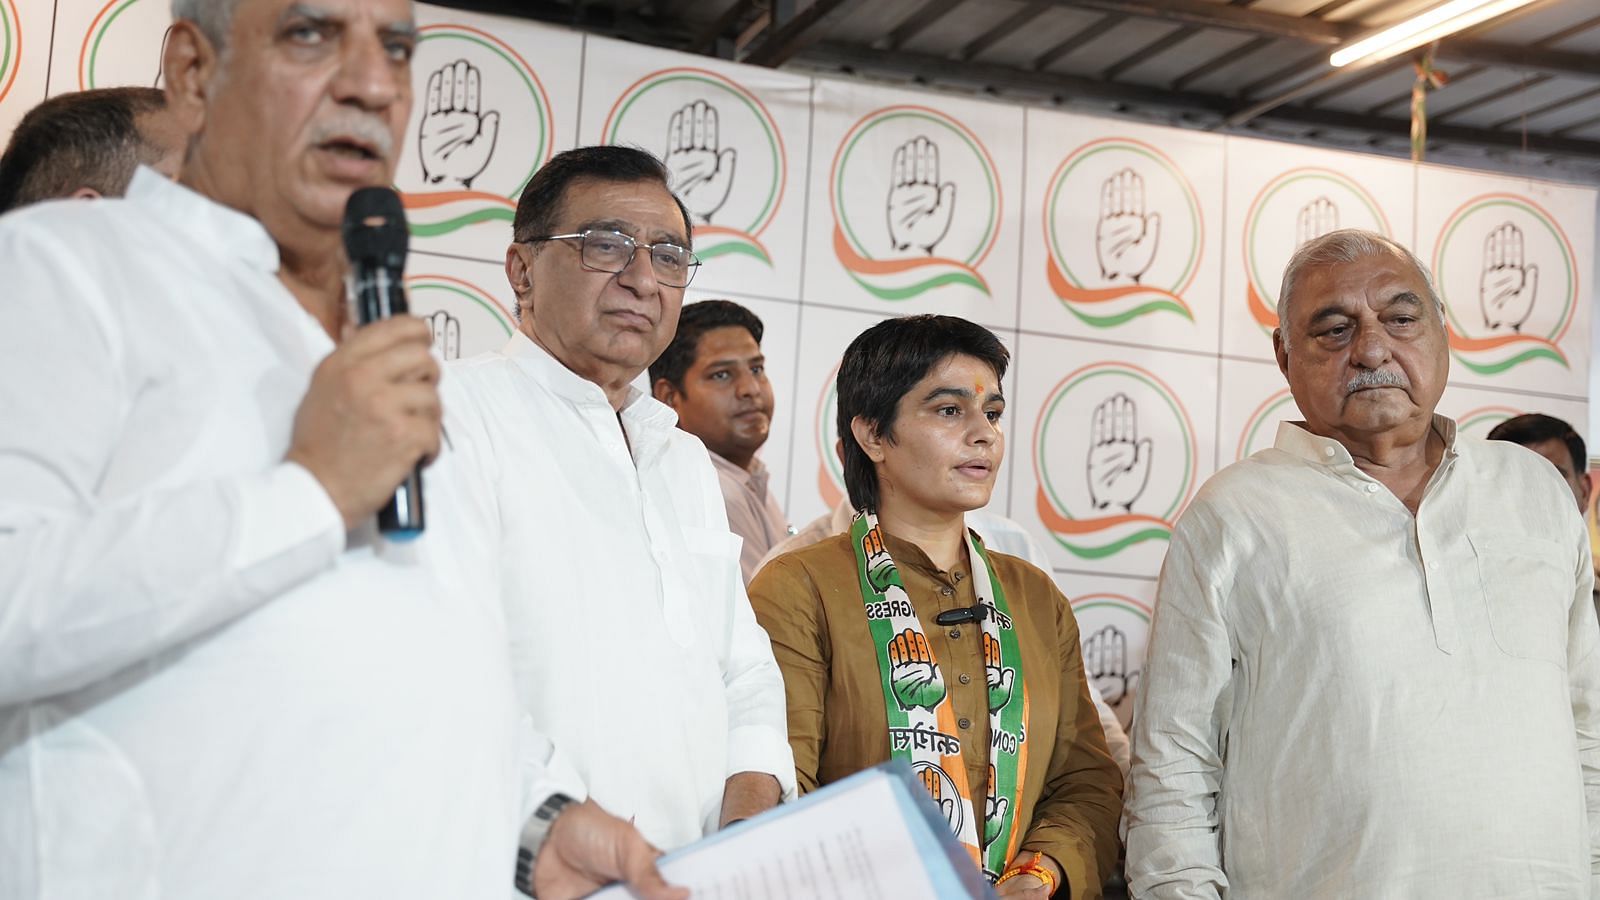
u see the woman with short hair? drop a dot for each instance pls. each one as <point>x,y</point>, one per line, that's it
<point>906,639</point>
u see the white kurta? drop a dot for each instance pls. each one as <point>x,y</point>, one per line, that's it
<point>1341,700</point>
<point>205,691</point>
<point>635,647</point>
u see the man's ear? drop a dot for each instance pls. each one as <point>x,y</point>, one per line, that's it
<point>866,435</point>
<point>1280,350</point>
<point>189,63</point>
<point>85,193</point>
<point>666,392</point>
<point>519,274</point>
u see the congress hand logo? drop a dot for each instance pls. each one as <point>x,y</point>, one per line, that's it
<point>913,675</point>
<point>1105,660</point>
<point>1315,219</point>
<point>455,141</point>
<point>1508,284</point>
<point>994,812</point>
<point>999,679</point>
<point>701,173</point>
<point>1125,237</point>
<point>446,335</point>
<point>933,779</point>
<point>920,208</point>
<point>1119,463</point>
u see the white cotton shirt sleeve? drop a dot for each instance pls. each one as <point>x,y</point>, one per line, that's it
<point>88,586</point>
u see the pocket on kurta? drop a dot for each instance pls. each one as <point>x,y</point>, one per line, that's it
<point>1527,587</point>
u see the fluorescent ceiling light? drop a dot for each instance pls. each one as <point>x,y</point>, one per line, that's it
<point>1423,28</point>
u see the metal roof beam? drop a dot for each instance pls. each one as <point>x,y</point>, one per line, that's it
<point>993,78</point>
<point>1003,30</point>
<point>1306,29</point>
<point>790,34</point>
<point>1542,60</point>
<point>924,15</point>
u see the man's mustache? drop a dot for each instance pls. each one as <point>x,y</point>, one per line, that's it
<point>1376,378</point>
<point>352,125</point>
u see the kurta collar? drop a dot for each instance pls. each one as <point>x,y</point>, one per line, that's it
<point>1294,439</point>
<point>647,421</point>
<point>207,222</point>
<point>910,556</point>
<point>755,478</point>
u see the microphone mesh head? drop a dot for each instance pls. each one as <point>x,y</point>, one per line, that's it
<point>374,228</point>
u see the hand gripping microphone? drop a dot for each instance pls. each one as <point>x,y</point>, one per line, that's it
<point>375,240</point>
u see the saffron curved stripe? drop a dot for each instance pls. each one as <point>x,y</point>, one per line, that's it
<point>740,247</point>
<point>1115,547</point>
<point>1498,367</point>
<point>906,292</point>
<point>430,199</point>
<point>1459,341</point>
<point>860,265</point>
<point>752,244</point>
<point>1264,315</point>
<point>1072,293</point>
<point>1129,315</point>
<point>1060,524</point>
<point>434,229</point>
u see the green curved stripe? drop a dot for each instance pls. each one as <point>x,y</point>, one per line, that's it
<point>1519,359</point>
<point>5,45</point>
<point>1129,315</point>
<point>909,291</point>
<point>733,247</point>
<point>434,229</point>
<point>1138,537</point>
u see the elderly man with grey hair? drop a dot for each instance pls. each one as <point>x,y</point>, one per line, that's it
<point>217,679</point>
<point>1373,667</point>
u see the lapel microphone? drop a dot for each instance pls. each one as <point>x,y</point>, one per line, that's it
<point>962,615</point>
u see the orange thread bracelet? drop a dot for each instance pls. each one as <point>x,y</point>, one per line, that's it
<point>1031,867</point>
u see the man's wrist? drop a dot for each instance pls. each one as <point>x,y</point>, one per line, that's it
<point>534,833</point>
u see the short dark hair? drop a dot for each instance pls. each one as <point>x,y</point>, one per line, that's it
<point>540,204</point>
<point>1536,428</point>
<point>882,365</point>
<point>87,139</point>
<point>693,322</point>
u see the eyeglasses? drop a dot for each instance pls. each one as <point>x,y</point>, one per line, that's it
<point>612,251</point>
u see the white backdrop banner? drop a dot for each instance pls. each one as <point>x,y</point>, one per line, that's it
<point>1132,270</point>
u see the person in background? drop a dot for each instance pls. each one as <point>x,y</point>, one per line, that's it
<point>87,144</point>
<point>998,533</point>
<point>1554,440</point>
<point>714,376</point>
<point>1373,666</point>
<point>635,647</point>
<point>908,639</point>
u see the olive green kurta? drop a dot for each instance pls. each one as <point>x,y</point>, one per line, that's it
<point>809,601</point>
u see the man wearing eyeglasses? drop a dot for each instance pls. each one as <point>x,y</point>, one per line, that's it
<point>634,645</point>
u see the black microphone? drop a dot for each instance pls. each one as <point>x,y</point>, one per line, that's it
<point>375,241</point>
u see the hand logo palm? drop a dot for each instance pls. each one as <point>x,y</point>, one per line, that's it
<point>1119,462</point>
<point>454,140</point>
<point>920,209</point>
<point>700,172</point>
